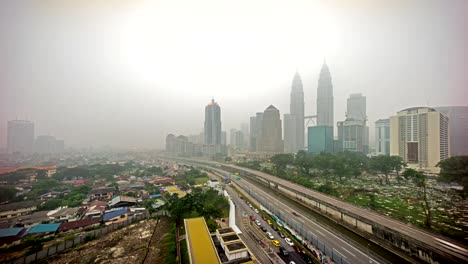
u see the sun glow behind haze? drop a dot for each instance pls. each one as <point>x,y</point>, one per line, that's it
<point>198,45</point>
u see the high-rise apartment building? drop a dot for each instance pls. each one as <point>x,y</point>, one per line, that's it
<point>458,116</point>
<point>20,136</point>
<point>271,135</point>
<point>356,107</point>
<point>325,98</point>
<point>294,121</point>
<point>420,135</point>
<point>382,137</point>
<point>212,124</point>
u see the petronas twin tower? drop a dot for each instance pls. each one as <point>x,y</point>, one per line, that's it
<point>294,121</point>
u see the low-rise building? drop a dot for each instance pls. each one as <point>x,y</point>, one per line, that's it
<point>121,201</point>
<point>17,209</point>
<point>10,235</point>
<point>64,214</point>
<point>102,193</point>
<point>42,230</point>
<point>115,216</point>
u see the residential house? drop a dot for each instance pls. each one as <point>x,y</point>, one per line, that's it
<point>42,230</point>
<point>64,214</point>
<point>9,235</point>
<point>80,224</point>
<point>17,209</point>
<point>116,216</point>
<point>100,194</point>
<point>121,201</point>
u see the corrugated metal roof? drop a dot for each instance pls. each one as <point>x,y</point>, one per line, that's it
<point>42,228</point>
<point>7,232</point>
<point>115,214</point>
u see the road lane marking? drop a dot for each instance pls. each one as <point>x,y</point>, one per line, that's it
<point>341,254</point>
<point>348,251</point>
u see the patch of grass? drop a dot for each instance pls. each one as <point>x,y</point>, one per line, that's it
<point>201,180</point>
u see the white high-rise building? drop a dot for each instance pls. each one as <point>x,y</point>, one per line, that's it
<point>382,137</point>
<point>420,135</point>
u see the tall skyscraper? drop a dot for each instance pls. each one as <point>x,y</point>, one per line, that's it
<point>294,122</point>
<point>382,137</point>
<point>325,98</point>
<point>458,118</point>
<point>212,124</point>
<point>271,136</point>
<point>420,135</point>
<point>20,136</point>
<point>356,107</point>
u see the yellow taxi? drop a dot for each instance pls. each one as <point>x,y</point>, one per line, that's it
<point>269,222</point>
<point>276,243</point>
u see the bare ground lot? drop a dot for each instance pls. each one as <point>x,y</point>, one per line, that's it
<point>127,245</point>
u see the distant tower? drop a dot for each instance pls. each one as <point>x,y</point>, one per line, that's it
<point>294,121</point>
<point>271,136</point>
<point>325,98</point>
<point>20,137</point>
<point>212,124</point>
<point>356,107</point>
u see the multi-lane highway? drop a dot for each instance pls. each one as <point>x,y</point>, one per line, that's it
<point>350,253</point>
<point>432,241</point>
<point>245,211</point>
<point>433,244</point>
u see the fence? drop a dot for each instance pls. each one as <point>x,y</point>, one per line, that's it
<point>298,227</point>
<point>52,250</point>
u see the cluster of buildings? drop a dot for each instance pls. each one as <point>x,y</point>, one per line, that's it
<point>422,136</point>
<point>20,139</point>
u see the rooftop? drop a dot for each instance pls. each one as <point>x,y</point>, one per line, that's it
<point>18,205</point>
<point>236,246</point>
<point>42,228</point>
<point>7,232</point>
<point>200,246</point>
<point>115,214</point>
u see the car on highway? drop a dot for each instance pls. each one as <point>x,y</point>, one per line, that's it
<point>263,228</point>
<point>252,218</point>
<point>275,228</point>
<point>275,243</point>
<point>270,235</point>
<point>258,223</point>
<point>281,235</point>
<point>292,262</point>
<point>250,205</point>
<point>269,222</point>
<point>283,251</point>
<point>288,241</point>
<point>296,214</point>
<point>256,210</point>
<point>264,218</point>
<point>297,249</point>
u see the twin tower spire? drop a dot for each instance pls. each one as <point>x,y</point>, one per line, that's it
<point>294,130</point>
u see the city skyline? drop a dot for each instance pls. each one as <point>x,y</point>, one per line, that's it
<point>116,83</point>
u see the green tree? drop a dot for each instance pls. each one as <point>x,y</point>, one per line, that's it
<point>7,193</point>
<point>304,162</point>
<point>455,169</point>
<point>383,164</point>
<point>420,180</point>
<point>281,161</point>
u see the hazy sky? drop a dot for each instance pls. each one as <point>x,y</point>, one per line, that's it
<point>126,73</point>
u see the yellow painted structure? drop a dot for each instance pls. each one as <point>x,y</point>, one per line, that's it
<point>199,243</point>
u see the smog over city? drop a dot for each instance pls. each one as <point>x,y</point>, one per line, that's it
<point>126,73</point>
<point>214,131</point>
